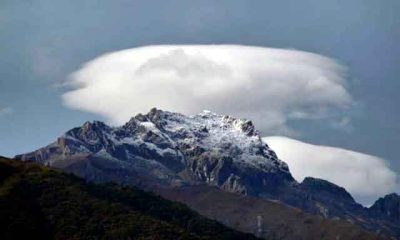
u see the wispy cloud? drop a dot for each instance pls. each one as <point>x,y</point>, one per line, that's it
<point>364,176</point>
<point>5,110</point>
<point>267,85</point>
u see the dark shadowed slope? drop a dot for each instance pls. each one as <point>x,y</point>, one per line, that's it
<point>388,207</point>
<point>39,203</point>
<point>266,219</point>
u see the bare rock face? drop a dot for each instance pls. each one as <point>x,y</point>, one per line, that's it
<point>330,200</point>
<point>387,207</point>
<point>168,149</point>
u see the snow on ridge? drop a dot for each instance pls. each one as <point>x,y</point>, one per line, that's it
<point>226,135</point>
<point>212,131</point>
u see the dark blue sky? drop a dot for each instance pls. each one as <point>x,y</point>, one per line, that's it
<point>43,41</point>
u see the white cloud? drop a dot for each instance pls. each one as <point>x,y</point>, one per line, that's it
<point>253,82</point>
<point>364,176</point>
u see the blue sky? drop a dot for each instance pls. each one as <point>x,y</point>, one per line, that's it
<point>42,42</point>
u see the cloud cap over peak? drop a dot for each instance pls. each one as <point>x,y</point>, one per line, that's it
<point>253,82</point>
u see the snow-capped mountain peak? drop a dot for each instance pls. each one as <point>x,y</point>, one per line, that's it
<point>206,147</point>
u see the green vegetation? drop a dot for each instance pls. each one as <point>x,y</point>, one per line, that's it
<point>40,203</point>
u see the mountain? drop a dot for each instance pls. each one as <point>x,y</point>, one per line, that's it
<point>171,149</point>
<point>39,203</point>
<point>387,207</point>
<point>163,150</point>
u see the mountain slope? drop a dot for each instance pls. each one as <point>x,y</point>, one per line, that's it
<point>39,203</point>
<point>267,219</point>
<point>164,149</point>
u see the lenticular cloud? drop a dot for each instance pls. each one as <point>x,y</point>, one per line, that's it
<point>268,85</point>
<point>365,176</point>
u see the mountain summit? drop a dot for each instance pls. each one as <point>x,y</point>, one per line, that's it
<point>162,149</point>
<point>170,149</point>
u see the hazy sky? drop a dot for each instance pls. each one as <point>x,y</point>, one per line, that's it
<point>42,42</point>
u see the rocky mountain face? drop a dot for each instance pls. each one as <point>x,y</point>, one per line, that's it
<point>387,207</point>
<point>161,149</point>
<point>171,149</point>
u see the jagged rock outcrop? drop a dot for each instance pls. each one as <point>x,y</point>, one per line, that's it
<point>387,207</point>
<point>321,193</point>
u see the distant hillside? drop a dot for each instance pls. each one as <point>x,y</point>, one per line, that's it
<point>266,219</point>
<point>39,203</point>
